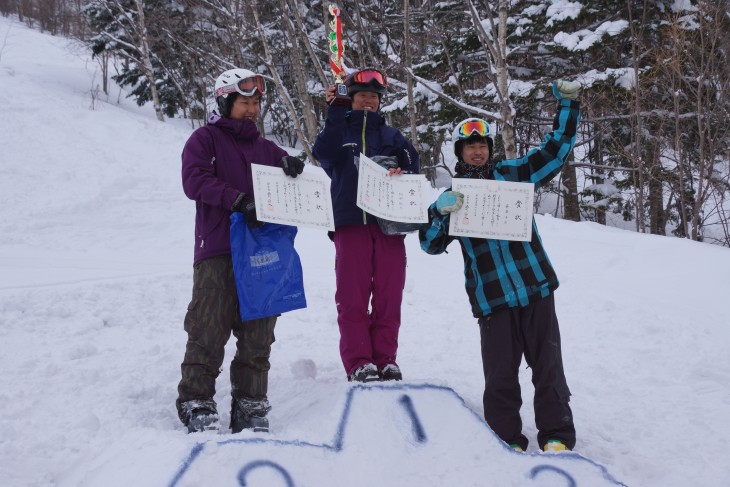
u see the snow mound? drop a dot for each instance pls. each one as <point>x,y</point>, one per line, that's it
<point>415,427</point>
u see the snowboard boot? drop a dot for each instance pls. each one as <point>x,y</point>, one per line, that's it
<point>516,447</point>
<point>364,373</point>
<point>391,372</point>
<point>249,414</point>
<point>555,446</point>
<point>199,415</point>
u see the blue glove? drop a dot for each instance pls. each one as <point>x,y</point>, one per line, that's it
<point>566,89</point>
<point>449,201</point>
<point>291,166</point>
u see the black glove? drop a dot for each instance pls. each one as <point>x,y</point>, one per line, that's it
<point>292,166</point>
<point>244,204</point>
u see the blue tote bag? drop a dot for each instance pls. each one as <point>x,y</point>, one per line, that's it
<point>267,269</point>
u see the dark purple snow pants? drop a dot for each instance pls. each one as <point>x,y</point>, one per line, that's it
<point>370,268</point>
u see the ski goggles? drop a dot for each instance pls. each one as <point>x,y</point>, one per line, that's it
<point>473,126</point>
<point>370,76</point>
<point>246,87</point>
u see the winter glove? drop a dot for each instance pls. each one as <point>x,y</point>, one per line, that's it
<point>292,166</point>
<point>244,204</point>
<point>449,201</point>
<point>566,89</point>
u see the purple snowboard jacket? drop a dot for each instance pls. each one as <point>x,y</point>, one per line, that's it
<point>216,168</point>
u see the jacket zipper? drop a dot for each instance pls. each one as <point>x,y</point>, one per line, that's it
<point>364,124</point>
<point>203,237</point>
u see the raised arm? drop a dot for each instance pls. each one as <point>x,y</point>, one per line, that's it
<point>329,141</point>
<point>541,164</point>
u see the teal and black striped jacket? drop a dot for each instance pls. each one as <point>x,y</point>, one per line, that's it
<point>501,273</point>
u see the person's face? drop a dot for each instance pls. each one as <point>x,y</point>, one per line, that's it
<point>475,153</point>
<point>365,100</point>
<point>246,107</point>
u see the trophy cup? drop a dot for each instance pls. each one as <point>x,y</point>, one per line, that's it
<point>337,50</point>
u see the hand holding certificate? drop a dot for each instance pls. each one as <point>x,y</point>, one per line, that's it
<point>396,198</point>
<point>304,201</point>
<point>493,209</point>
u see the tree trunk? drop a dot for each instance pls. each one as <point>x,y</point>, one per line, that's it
<point>505,109</point>
<point>636,126</point>
<point>147,61</point>
<point>571,207</point>
<point>501,73</point>
<point>280,86</point>
<point>599,174</point>
<point>411,101</point>
<point>657,219</point>
<point>104,62</point>
<point>307,44</point>
<point>300,76</point>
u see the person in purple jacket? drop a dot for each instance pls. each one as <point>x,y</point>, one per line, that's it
<point>370,266</point>
<point>216,174</point>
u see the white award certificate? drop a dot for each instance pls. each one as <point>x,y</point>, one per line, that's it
<point>493,209</point>
<point>302,201</point>
<point>396,198</point>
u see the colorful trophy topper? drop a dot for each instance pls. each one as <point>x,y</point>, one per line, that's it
<point>337,50</point>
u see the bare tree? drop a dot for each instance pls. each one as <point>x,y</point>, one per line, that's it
<point>693,65</point>
<point>300,75</point>
<point>140,29</point>
<point>129,34</point>
<point>496,46</point>
<point>636,120</point>
<point>268,61</point>
<point>408,62</point>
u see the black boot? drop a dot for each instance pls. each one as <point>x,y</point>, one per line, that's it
<point>249,414</point>
<point>391,372</point>
<point>199,415</point>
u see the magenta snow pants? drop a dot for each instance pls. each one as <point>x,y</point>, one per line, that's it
<point>370,268</point>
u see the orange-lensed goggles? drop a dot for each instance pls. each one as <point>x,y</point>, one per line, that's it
<point>370,76</point>
<point>246,87</point>
<point>474,126</point>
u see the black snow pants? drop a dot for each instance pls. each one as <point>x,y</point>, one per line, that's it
<point>212,315</point>
<point>506,336</point>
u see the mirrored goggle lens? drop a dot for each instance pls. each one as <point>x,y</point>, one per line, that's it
<point>370,75</point>
<point>249,86</point>
<point>246,87</point>
<point>472,127</point>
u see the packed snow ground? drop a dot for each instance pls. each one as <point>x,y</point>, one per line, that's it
<point>95,278</point>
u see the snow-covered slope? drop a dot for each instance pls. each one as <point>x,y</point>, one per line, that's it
<point>95,277</point>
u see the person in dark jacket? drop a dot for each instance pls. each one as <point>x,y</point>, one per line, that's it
<point>370,266</point>
<point>216,174</point>
<point>510,284</point>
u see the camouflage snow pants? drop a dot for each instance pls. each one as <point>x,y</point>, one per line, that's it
<point>212,315</point>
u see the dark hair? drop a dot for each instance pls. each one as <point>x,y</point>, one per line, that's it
<point>225,104</point>
<point>474,139</point>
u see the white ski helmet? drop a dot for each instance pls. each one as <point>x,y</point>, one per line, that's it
<point>471,127</point>
<point>241,81</point>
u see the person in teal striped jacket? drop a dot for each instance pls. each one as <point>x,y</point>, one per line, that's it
<point>510,284</point>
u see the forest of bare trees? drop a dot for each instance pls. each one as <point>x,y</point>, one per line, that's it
<point>654,147</point>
